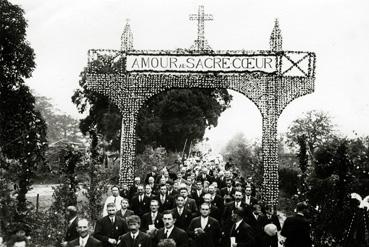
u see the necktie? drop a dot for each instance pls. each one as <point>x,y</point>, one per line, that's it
<point>180,211</point>
<point>140,197</point>
<point>115,200</point>
<point>112,220</point>
<point>133,240</point>
<point>166,233</point>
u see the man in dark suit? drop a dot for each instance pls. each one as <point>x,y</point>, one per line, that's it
<point>190,203</point>
<point>241,234</point>
<point>109,228</point>
<point>198,193</point>
<point>165,202</point>
<point>152,220</point>
<point>214,210</point>
<point>204,176</point>
<point>227,191</point>
<point>84,239</point>
<point>153,173</point>
<point>255,220</point>
<point>204,230</point>
<point>171,231</point>
<point>296,229</point>
<point>270,218</point>
<point>249,199</point>
<point>227,215</point>
<point>181,214</point>
<point>134,238</point>
<point>71,232</point>
<point>124,212</point>
<point>140,203</point>
<point>216,199</point>
<point>133,188</point>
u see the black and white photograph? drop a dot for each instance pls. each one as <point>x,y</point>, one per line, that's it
<point>184,123</point>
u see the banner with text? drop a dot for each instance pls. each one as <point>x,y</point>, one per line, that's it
<point>201,63</point>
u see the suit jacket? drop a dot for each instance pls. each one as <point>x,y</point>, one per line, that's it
<point>182,221</point>
<point>105,229</point>
<point>296,229</point>
<point>146,220</point>
<point>140,208</point>
<point>91,242</point>
<point>168,203</point>
<point>178,235</point>
<point>125,215</point>
<point>72,231</point>
<point>198,199</point>
<point>215,213</point>
<point>224,191</point>
<point>219,202</point>
<point>227,216</point>
<point>244,234</point>
<point>142,240</point>
<point>190,205</point>
<point>210,238</point>
<point>266,240</point>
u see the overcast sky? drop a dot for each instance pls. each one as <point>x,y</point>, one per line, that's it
<point>62,31</point>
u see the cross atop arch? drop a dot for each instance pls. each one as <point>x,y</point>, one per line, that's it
<point>201,43</point>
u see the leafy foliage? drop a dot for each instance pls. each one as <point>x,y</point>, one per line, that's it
<point>23,130</point>
<point>245,156</point>
<point>59,126</point>
<point>315,126</point>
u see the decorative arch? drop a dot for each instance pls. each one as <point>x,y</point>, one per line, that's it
<point>270,90</point>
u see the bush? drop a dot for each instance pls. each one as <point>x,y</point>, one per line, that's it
<point>288,181</point>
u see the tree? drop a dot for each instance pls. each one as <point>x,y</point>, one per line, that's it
<point>315,126</point>
<point>59,126</point>
<point>22,129</point>
<point>245,156</point>
<point>167,120</point>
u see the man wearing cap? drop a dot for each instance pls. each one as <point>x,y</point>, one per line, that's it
<point>71,232</point>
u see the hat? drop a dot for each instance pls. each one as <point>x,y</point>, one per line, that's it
<point>270,230</point>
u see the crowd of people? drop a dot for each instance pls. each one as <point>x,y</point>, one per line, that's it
<point>199,206</point>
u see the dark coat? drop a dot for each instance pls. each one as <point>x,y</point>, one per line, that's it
<point>266,240</point>
<point>210,238</point>
<point>182,221</point>
<point>142,240</point>
<point>105,229</point>
<point>296,229</point>
<point>146,220</point>
<point>224,191</point>
<point>215,213</point>
<point>198,199</point>
<point>244,234</point>
<point>190,205</point>
<point>227,217</point>
<point>125,215</point>
<point>140,208</point>
<point>91,242</point>
<point>178,235</point>
<point>168,203</point>
<point>219,202</point>
<point>71,232</point>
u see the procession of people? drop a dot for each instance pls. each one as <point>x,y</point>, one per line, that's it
<point>202,205</point>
